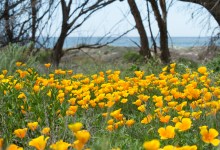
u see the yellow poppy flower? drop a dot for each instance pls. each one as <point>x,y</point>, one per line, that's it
<point>78,145</point>
<point>151,145</point>
<point>202,69</point>
<point>173,65</point>
<point>83,136</point>
<point>21,95</point>
<point>32,125</point>
<point>14,147</point>
<point>137,102</point>
<point>130,122</point>
<point>110,122</point>
<point>167,133</point>
<point>117,114</point>
<point>194,147</point>
<point>209,136</point>
<point>18,64</point>
<point>110,127</point>
<point>184,125</point>
<point>124,100</point>
<point>39,143</point>
<point>75,127</point>
<point>165,119</point>
<point>45,131</point>
<point>60,145</point>
<point>4,72</point>
<point>169,147</point>
<point>1,143</point>
<point>18,86</point>
<point>142,108</point>
<point>147,119</point>
<point>47,65</point>
<point>21,133</point>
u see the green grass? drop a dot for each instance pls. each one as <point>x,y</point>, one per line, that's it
<point>88,83</point>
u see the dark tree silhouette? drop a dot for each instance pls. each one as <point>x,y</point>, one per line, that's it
<point>21,19</point>
<point>162,24</point>
<point>144,49</point>
<point>73,17</point>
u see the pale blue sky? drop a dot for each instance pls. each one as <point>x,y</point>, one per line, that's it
<point>179,21</point>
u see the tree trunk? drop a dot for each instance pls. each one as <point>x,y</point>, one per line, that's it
<point>34,17</point>
<point>213,6</point>
<point>58,48</point>
<point>162,24</point>
<point>9,32</point>
<point>144,51</point>
<point>150,29</point>
<point>165,53</point>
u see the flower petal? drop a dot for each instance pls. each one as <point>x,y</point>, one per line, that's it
<point>213,132</point>
<point>215,142</point>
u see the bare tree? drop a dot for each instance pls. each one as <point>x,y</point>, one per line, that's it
<point>150,29</point>
<point>14,18</point>
<point>12,5</point>
<point>74,14</point>
<point>22,19</point>
<point>213,6</point>
<point>162,24</point>
<point>40,10</point>
<point>144,49</point>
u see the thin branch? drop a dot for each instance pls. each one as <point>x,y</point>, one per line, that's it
<point>98,45</point>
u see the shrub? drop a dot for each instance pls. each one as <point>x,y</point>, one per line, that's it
<point>14,53</point>
<point>133,57</point>
<point>43,56</point>
<point>214,64</point>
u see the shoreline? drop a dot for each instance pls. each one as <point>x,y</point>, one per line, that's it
<point>114,53</point>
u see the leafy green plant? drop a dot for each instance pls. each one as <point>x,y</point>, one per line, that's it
<point>133,57</point>
<point>188,63</point>
<point>15,53</point>
<point>43,56</point>
<point>214,64</point>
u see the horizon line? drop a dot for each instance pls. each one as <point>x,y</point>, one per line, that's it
<point>129,37</point>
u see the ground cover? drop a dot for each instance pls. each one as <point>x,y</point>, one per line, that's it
<point>177,108</point>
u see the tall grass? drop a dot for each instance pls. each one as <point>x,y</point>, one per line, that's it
<point>13,53</point>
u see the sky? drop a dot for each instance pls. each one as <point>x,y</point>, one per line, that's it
<point>115,19</point>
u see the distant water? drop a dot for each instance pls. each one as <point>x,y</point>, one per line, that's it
<point>176,42</point>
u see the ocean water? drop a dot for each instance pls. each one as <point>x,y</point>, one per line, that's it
<point>176,42</point>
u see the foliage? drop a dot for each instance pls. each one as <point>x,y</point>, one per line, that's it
<point>15,53</point>
<point>43,56</point>
<point>188,62</point>
<point>133,57</point>
<point>213,64</point>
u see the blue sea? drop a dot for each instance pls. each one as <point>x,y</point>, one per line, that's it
<point>176,42</point>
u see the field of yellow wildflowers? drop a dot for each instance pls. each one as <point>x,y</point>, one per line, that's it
<point>61,110</point>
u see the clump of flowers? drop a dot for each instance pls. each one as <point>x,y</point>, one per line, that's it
<point>169,106</point>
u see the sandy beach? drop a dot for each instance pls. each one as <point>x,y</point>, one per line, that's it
<point>112,54</point>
